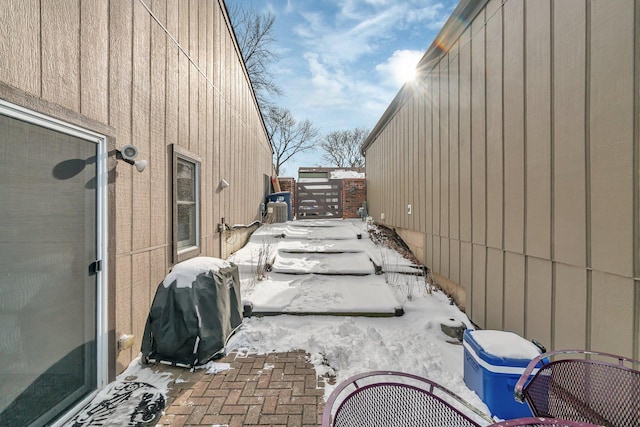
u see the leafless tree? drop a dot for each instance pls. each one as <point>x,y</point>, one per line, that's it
<point>288,136</point>
<point>254,32</point>
<point>342,148</point>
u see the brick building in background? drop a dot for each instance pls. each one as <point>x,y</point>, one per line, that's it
<point>354,194</point>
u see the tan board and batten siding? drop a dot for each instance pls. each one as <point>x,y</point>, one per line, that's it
<point>524,130</point>
<point>112,66</point>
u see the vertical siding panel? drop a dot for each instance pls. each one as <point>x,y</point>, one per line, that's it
<point>173,69</point>
<point>172,112</point>
<point>194,77</point>
<point>436,167</point>
<point>569,215</point>
<point>538,129</point>
<point>612,309</point>
<point>415,187</point>
<point>210,36</point>
<point>436,253</point>
<point>225,154</point>
<point>444,256</point>
<point>479,282</point>
<point>141,209</point>
<point>158,266</point>
<point>404,143</point>
<point>120,49</point>
<point>140,301</point>
<point>444,148</point>
<point>429,251</point>
<point>467,276</point>
<point>21,21</point>
<point>478,133</point>
<point>455,263</point>
<point>61,53</point>
<point>514,293</point>
<point>465,143</point>
<point>397,172</point>
<point>123,303</point>
<point>210,141</point>
<point>400,214</point>
<point>158,158</point>
<point>494,129</point>
<point>422,175</point>
<point>611,136</point>
<point>94,59</point>
<point>513,127</point>
<point>539,308</point>
<point>495,289</point>
<point>454,141</point>
<point>570,308</point>
<point>429,176</point>
<point>391,155</point>
<point>444,168</point>
<point>183,74</point>
<point>215,65</point>
<point>401,145</point>
<point>202,120</point>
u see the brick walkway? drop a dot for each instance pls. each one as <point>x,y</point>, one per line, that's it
<point>277,389</point>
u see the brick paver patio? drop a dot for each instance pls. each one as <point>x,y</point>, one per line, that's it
<point>276,389</point>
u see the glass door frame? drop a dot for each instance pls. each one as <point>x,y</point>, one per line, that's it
<point>102,220</point>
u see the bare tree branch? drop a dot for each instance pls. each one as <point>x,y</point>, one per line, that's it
<point>342,148</point>
<point>254,33</point>
<point>288,136</point>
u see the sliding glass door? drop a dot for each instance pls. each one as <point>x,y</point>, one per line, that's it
<point>51,283</point>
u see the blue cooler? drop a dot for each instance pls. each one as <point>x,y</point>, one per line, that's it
<point>492,376</point>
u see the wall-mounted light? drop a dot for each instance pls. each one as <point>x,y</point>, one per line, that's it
<point>223,184</point>
<point>129,154</point>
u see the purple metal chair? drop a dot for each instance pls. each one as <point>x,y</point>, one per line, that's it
<point>386,398</point>
<point>587,386</point>
<point>397,399</point>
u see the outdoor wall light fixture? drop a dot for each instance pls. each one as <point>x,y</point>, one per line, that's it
<point>223,184</point>
<point>129,154</point>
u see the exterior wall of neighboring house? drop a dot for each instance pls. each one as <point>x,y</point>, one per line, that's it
<point>165,76</point>
<point>518,151</point>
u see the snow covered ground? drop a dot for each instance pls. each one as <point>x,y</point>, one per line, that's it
<point>343,346</point>
<point>332,268</point>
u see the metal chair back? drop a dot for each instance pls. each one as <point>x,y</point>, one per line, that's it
<point>595,387</point>
<point>388,398</point>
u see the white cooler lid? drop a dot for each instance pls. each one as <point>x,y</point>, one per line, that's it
<point>504,344</point>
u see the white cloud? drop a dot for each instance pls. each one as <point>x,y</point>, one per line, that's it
<point>321,77</point>
<point>400,66</point>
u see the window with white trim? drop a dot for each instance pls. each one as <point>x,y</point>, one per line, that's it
<point>186,204</point>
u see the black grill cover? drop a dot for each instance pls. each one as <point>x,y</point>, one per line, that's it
<point>192,317</point>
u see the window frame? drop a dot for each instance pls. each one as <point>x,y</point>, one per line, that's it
<point>182,254</point>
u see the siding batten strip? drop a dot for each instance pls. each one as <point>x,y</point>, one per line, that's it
<point>526,169</point>
<point>636,176</point>
<point>552,170</point>
<point>587,153</point>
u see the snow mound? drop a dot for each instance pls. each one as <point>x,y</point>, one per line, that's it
<point>185,272</point>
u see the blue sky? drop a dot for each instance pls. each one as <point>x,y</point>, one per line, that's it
<point>341,62</point>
